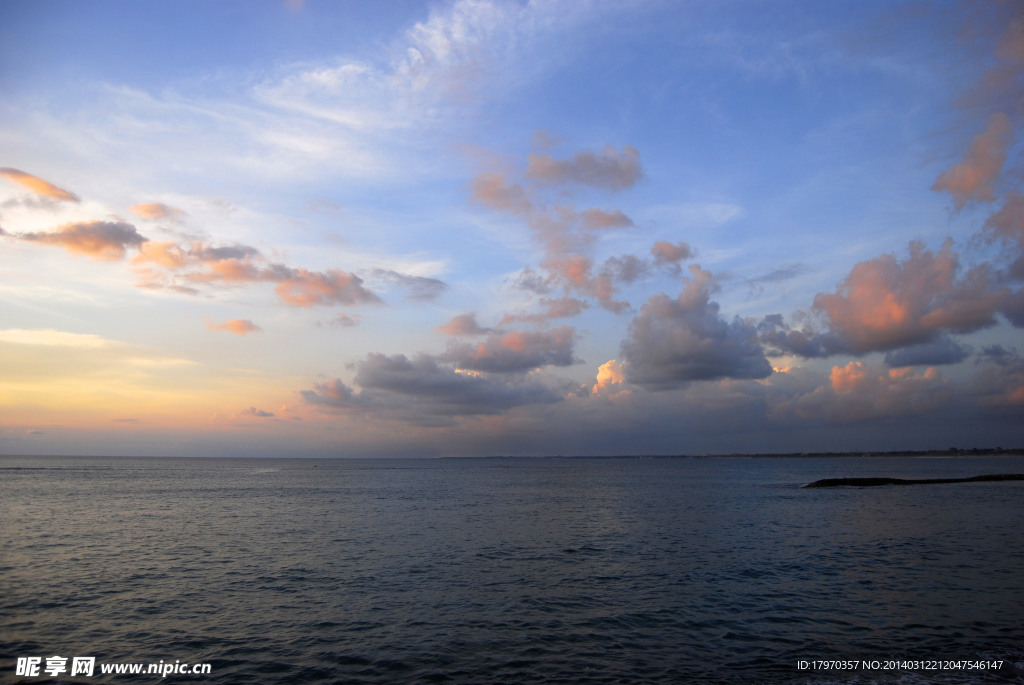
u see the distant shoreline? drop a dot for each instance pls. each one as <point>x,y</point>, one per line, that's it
<point>951,452</point>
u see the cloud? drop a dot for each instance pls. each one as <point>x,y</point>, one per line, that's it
<point>608,169</point>
<point>516,351</point>
<point>421,391</point>
<point>101,240</point>
<point>780,339</point>
<point>1007,226</point>
<point>595,219</point>
<point>37,185</point>
<point>155,211</point>
<point>554,308</point>
<point>464,326</point>
<point>858,392</point>
<point>493,190</point>
<point>305,288</point>
<point>1001,380</point>
<point>420,287</point>
<point>345,320</point>
<point>674,341</point>
<point>934,353</point>
<point>608,374</point>
<point>258,413</point>
<point>669,255</point>
<point>885,303</point>
<point>972,178</point>
<point>236,326</point>
<point>53,338</point>
<point>200,263</point>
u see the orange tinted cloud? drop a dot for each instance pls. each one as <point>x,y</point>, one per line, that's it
<point>972,178</point>
<point>236,326</point>
<point>885,303</point>
<point>106,240</point>
<point>307,288</point>
<point>608,169</point>
<point>516,351</point>
<point>608,374</point>
<point>164,254</point>
<point>492,190</point>
<point>155,210</point>
<point>37,185</point>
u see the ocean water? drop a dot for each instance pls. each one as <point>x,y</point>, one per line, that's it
<point>512,570</point>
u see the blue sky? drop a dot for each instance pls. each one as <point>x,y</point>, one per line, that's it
<point>413,228</point>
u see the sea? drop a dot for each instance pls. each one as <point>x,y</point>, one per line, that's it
<point>510,570</point>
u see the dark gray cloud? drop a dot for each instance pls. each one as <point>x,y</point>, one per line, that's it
<point>937,352</point>
<point>674,341</point>
<point>422,391</point>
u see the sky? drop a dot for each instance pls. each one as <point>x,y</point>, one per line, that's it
<point>489,227</point>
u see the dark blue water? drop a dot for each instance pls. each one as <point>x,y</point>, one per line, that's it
<point>511,570</point>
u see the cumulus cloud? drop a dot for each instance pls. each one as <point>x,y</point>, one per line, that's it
<point>37,185</point>
<point>857,392</point>
<point>674,341</point>
<point>101,240</point>
<point>608,169</point>
<point>609,374</point>
<point>304,288</point>
<point>155,211</point>
<point>515,351</point>
<point>781,338</point>
<point>669,255</point>
<point>972,178</point>
<point>464,326</point>
<point>885,303</point>
<point>236,326</point>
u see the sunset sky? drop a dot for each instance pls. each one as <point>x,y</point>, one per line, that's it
<point>521,228</point>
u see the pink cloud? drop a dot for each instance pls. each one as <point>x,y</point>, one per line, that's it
<point>885,303</point>
<point>492,190</point>
<point>516,351</point>
<point>972,178</point>
<point>464,326</point>
<point>305,288</point>
<point>609,169</point>
<point>668,254</point>
<point>37,185</point>
<point>236,326</point>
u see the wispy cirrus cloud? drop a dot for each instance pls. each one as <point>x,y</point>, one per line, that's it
<point>37,185</point>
